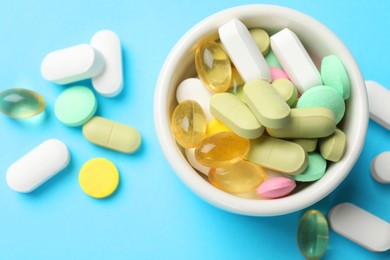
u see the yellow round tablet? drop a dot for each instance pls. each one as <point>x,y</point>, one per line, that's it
<point>99,178</point>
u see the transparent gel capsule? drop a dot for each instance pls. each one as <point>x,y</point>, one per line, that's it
<point>213,66</point>
<point>313,234</point>
<point>236,83</point>
<point>188,124</point>
<point>221,149</point>
<point>21,103</point>
<point>240,177</point>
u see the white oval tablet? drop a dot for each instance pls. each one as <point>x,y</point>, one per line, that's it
<point>295,60</point>
<point>72,64</point>
<point>360,226</point>
<point>108,83</point>
<point>380,167</point>
<point>193,89</point>
<point>190,154</point>
<point>378,103</point>
<point>37,166</point>
<point>243,51</point>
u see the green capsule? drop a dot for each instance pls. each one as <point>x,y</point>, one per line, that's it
<point>313,234</point>
<point>21,103</point>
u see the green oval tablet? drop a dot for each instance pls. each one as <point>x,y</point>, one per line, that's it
<point>315,169</point>
<point>75,106</point>
<point>334,75</point>
<point>323,96</point>
<point>271,60</point>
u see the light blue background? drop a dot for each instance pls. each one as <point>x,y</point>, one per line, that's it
<point>153,215</point>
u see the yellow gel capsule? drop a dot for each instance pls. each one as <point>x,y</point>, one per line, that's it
<point>221,149</point>
<point>313,234</point>
<point>21,103</point>
<point>213,66</point>
<point>236,84</point>
<point>98,178</point>
<point>112,135</point>
<point>240,177</point>
<point>188,124</point>
<point>215,126</point>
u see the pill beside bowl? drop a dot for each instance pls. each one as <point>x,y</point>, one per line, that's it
<point>257,121</point>
<point>101,60</point>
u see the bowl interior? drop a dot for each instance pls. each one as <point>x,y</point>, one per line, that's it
<point>319,41</point>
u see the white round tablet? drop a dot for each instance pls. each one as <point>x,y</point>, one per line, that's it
<point>380,167</point>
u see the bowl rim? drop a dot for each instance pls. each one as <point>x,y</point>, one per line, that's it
<point>220,198</point>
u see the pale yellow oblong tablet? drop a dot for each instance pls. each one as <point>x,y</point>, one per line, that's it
<point>278,155</point>
<point>233,113</point>
<point>266,104</point>
<point>308,144</point>
<point>332,148</point>
<point>112,135</point>
<point>307,123</point>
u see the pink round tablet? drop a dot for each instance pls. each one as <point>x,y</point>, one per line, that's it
<point>277,73</point>
<point>276,187</point>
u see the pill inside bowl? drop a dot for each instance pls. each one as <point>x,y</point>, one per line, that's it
<point>319,41</point>
<point>258,102</point>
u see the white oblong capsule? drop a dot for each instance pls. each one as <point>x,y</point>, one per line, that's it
<point>37,166</point>
<point>243,51</point>
<point>378,103</point>
<point>109,83</point>
<point>295,60</point>
<point>380,168</point>
<point>72,64</point>
<point>360,226</point>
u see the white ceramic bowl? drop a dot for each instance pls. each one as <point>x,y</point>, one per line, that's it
<point>319,42</point>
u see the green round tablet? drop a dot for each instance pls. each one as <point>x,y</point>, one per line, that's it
<point>75,106</point>
<point>323,96</point>
<point>315,169</point>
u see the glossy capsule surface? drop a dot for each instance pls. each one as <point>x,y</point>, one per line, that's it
<point>188,124</point>
<point>21,103</point>
<point>221,149</point>
<point>240,177</point>
<point>313,234</point>
<point>213,66</point>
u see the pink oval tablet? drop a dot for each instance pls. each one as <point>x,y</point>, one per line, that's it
<point>277,73</point>
<point>276,187</point>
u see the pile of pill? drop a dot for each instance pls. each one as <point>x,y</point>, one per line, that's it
<point>100,61</point>
<point>260,118</point>
<point>347,219</point>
